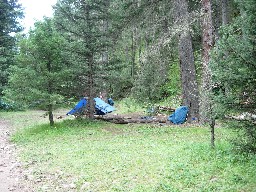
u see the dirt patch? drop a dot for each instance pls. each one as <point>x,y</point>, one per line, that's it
<point>11,174</point>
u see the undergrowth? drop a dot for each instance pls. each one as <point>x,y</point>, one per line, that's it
<point>128,105</point>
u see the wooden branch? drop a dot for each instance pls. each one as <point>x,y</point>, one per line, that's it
<point>126,120</point>
<point>165,108</point>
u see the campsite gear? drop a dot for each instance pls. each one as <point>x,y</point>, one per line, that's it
<point>101,107</point>
<point>111,102</point>
<point>179,116</point>
<point>79,108</point>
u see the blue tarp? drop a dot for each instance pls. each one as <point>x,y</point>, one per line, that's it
<point>179,116</point>
<point>101,107</point>
<point>79,108</point>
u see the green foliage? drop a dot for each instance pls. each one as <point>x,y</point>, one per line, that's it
<point>144,59</point>
<point>234,61</point>
<point>9,106</point>
<point>39,77</point>
<point>245,139</point>
<point>233,66</point>
<point>152,75</point>
<point>173,85</point>
<point>171,101</point>
<point>120,86</point>
<point>85,27</point>
<point>11,12</point>
<point>128,105</point>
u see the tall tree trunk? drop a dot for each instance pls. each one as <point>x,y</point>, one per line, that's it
<point>206,73</point>
<point>50,91</point>
<point>187,64</point>
<point>90,63</point>
<point>217,16</point>
<point>206,114</point>
<point>91,95</point>
<point>104,54</point>
<point>50,115</point>
<point>224,11</point>
<point>105,33</point>
<point>212,127</point>
<point>133,48</point>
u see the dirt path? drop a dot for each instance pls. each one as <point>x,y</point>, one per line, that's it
<point>13,176</point>
<point>10,169</point>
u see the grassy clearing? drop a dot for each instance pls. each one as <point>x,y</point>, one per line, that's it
<point>79,155</point>
<point>32,118</point>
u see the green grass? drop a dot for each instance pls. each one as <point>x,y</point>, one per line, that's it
<point>128,105</point>
<point>99,156</point>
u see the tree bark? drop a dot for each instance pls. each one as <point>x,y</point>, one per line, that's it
<point>90,63</point>
<point>187,64</point>
<point>50,91</point>
<point>224,11</point>
<point>50,115</point>
<point>105,33</point>
<point>206,114</point>
<point>208,42</point>
<point>217,16</point>
<point>133,49</point>
<point>91,104</point>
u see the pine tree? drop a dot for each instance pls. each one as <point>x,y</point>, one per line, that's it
<point>10,12</point>
<point>208,43</point>
<point>82,24</point>
<point>190,93</point>
<point>40,75</point>
<point>143,53</point>
<point>234,73</point>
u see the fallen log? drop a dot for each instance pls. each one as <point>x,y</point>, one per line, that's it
<point>122,120</point>
<point>243,117</point>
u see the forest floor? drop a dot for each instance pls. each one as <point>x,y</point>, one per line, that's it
<point>10,171</point>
